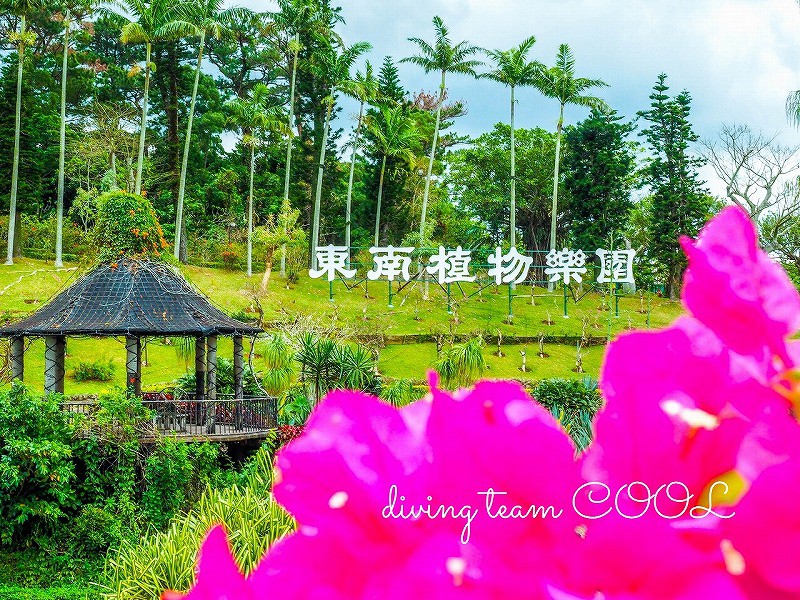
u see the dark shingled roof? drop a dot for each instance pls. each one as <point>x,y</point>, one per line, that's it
<point>133,298</point>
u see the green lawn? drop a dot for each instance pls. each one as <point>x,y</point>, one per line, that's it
<point>412,361</point>
<point>31,283</point>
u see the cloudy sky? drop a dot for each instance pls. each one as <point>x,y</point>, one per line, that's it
<point>738,58</point>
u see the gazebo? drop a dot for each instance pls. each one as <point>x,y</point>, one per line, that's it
<point>131,299</point>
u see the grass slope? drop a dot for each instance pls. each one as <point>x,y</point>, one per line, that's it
<point>31,283</point>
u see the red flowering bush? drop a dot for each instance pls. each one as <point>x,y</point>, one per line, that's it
<point>287,433</point>
<point>127,225</point>
<point>688,490</point>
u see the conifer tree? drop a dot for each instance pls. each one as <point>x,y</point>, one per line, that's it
<point>680,204</point>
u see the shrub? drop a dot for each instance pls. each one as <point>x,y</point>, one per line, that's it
<point>573,402</point>
<point>95,371</point>
<point>167,474</point>
<point>127,225</point>
<point>256,473</point>
<point>231,257</point>
<point>177,474</point>
<point>36,470</point>
<point>165,560</point>
<point>401,392</point>
<point>96,529</point>
<point>461,364</point>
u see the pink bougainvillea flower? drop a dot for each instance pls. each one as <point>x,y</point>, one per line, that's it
<point>766,530</point>
<point>733,287</point>
<point>218,576</point>
<point>444,451</point>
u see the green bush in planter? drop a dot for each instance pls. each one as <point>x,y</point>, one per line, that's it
<point>573,402</point>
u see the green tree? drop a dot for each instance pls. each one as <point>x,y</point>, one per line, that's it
<point>395,135</point>
<point>24,38</point>
<point>442,57</point>
<point>149,23</point>
<point>279,231</point>
<point>67,20</point>
<point>364,88</point>
<point>294,17</point>
<point>198,19</point>
<point>513,69</point>
<point>478,178</point>
<point>680,204</point>
<point>559,82</point>
<point>334,66</point>
<point>599,174</point>
<point>253,117</point>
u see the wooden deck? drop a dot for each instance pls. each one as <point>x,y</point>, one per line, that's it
<point>225,419</point>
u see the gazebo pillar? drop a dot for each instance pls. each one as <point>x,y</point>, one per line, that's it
<point>18,358</point>
<point>238,367</point>
<point>200,368</point>
<point>211,382</point>
<point>133,362</point>
<point>238,380</point>
<point>54,348</point>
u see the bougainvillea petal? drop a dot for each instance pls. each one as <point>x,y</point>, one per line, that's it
<point>771,506</point>
<point>733,286</point>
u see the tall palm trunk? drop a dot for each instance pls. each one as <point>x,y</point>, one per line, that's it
<point>140,161</point>
<point>318,195</point>
<point>62,147</point>
<point>289,145</point>
<point>250,212</point>
<point>513,207</point>
<point>185,163</point>
<point>380,198</point>
<point>430,161</point>
<point>12,211</point>
<point>555,181</point>
<point>350,181</point>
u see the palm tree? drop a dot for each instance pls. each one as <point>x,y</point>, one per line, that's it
<point>294,16</point>
<point>364,89</point>
<point>206,17</point>
<point>81,6</point>
<point>254,116</point>
<point>445,58</point>
<point>150,24</point>
<point>513,69</point>
<point>334,67</point>
<point>559,82</point>
<point>23,38</point>
<point>395,136</point>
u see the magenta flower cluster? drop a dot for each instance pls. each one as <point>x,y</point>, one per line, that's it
<point>690,489</point>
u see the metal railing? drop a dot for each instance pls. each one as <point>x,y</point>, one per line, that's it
<point>188,416</point>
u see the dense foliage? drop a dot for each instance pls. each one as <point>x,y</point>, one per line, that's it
<point>126,225</point>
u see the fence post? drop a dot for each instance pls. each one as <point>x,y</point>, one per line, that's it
<point>566,313</point>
